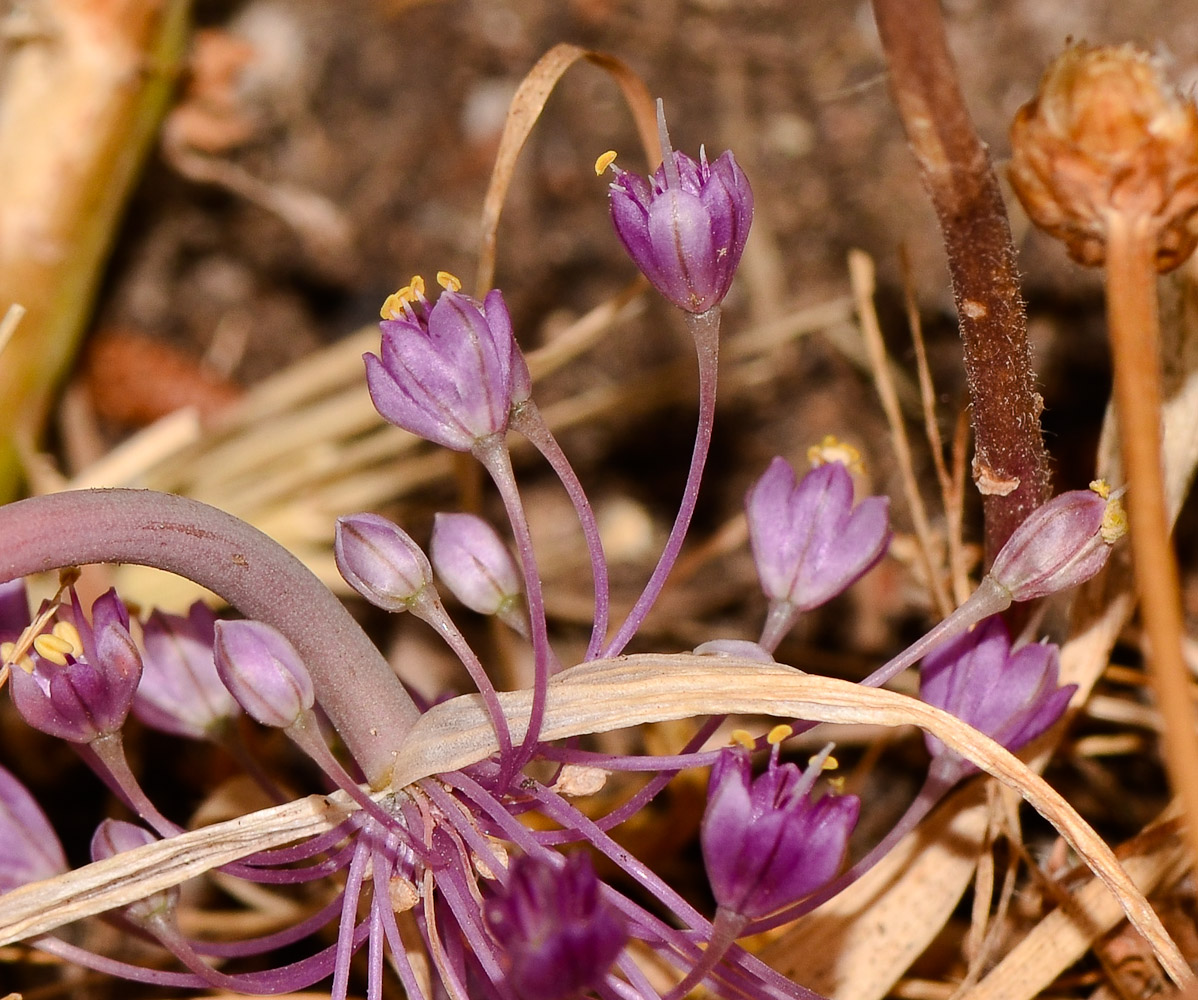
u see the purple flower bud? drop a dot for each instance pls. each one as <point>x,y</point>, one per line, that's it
<point>180,690</point>
<point>1011,697</point>
<point>263,671</point>
<point>29,848</point>
<point>1061,544</point>
<point>685,227</point>
<point>808,541</point>
<point>474,563</point>
<point>444,372</point>
<point>84,673</point>
<point>380,561</point>
<point>115,836</point>
<point>766,843</point>
<point>559,935</point>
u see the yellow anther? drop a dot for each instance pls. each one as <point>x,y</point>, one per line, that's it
<point>829,763</point>
<point>832,449</point>
<point>605,161</point>
<point>53,648</point>
<point>837,784</point>
<point>779,733</point>
<point>68,633</point>
<point>1114,521</point>
<point>417,287</point>
<point>393,306</point>
<point>1101,487</point>
<point>742,737</point>
<point>450,282</point>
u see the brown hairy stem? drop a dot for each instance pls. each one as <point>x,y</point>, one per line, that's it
<point>1010,463</point>
<point>1133,327</point>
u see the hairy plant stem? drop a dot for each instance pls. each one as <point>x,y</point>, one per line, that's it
<point>1134,330</point>
<point>1010,463</point>
<point>705,328</point>
<point>355,685</point>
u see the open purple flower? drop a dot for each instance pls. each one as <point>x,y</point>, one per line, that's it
<point>1012,697</point>
<point>444,372</point>
<point>84,673</point>
<point>180,690</point>
<point>766,842</point>
<point>558,934</point>
<point>685,227</point>
<point>808,541</point>
<point>14,610</point>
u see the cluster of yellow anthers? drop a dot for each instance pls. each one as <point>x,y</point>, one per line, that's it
<point>395,306</point>
<point>61,641</point>
<point>1114,518</point>
<point>832,449</point>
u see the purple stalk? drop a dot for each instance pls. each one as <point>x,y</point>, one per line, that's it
<point>383,866</point>
<point>270,942</point>
<point>349,911</point>
<point>493,454</point>
<point>705,328</point>
<point>245,567</point>
<point>527,419</point>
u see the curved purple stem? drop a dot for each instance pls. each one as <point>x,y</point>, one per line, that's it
<point>705,327</point>
<point>248,569</point>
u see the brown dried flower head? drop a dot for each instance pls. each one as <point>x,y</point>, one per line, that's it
<point>1107,134</point>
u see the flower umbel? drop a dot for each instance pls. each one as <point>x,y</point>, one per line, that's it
<point>685,227</point>
<point>444,372</point>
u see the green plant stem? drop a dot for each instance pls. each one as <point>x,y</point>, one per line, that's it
<point>1134,330</point>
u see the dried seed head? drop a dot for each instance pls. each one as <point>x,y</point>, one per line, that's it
<point>1106,133</point>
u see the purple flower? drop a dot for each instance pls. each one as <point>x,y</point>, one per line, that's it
<point>1061,544</point>
<point>475,564</point>
<point>444,372</point>
<point>84,673</point>
<point>263,671</point>
<point>29,848</point>
<point>380,561</point>
<point>685,227</point>
<point>766,843</point>
<point>180,690</point>
<point>558,934</point>
<point>808,541</point>
<point>1012,697</point>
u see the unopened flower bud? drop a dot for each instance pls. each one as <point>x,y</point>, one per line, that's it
<point>263,672</point>
<point>380,561</point>
<point>474,563</point>
<point>1105,133</point>
<point>1061,544</point>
